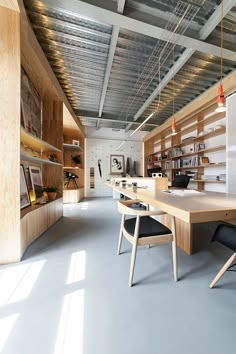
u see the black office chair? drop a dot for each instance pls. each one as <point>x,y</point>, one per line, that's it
<point>181,181</point>
<point>226,235</point>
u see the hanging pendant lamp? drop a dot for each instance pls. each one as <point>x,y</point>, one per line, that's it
<point>220,98</point>
<point>173,126</point>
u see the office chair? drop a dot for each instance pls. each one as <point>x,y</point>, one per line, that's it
<point>180,181</point>
<point>226,235</point>
<point>144,230</point>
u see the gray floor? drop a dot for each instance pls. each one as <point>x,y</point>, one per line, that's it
<point>95,312</point>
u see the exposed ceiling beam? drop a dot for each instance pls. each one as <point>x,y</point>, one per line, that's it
<point>209,26</point>
<point>113,43</point>
<point>95,13</point>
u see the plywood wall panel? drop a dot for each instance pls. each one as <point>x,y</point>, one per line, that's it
<point>10,135</point>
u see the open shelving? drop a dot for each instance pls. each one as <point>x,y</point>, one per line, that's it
<point>183,153</point>
<point>72,147</point>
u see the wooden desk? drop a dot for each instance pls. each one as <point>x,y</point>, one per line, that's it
<point>210,206</point>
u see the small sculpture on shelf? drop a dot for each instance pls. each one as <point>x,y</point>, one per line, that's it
<point>76,159</point>
<point>70,177</point>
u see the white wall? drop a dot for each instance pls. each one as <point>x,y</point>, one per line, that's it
<point>101,149</point>
<point>231,144</point>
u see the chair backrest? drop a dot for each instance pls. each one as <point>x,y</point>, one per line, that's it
<point>125,207</point>
<point>226,235</point>
<point>181,181</point>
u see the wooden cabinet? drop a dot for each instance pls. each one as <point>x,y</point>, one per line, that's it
<point>198,149</point>
<point>37,220</point>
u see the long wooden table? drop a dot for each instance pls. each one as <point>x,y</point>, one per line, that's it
<point>188,210</point>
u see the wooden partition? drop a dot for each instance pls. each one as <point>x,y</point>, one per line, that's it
<point>10,135</point>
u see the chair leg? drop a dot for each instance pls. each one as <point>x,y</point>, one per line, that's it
<point>223,270</point>
<point>121,233</point>
<point>174,250</point>
<point>134,251</point>
<point>132,264</point>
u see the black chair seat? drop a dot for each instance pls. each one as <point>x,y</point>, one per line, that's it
<point>148,227</point>
<point>226,235</point>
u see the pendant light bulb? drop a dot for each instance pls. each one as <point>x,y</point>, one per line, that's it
<point>220,100</point>
<point>173,126</point>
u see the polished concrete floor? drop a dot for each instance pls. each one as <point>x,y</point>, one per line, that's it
<point>70,294</point>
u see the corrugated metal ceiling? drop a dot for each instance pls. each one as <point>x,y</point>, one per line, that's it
<point>116,72</point>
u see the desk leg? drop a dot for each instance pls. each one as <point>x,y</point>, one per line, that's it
<point>183,233</point>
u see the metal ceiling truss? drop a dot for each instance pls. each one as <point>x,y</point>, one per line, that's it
<point>113,60</point>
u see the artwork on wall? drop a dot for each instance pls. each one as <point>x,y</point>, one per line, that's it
<point>116,164</point>
<point>36,179</point>
<point>31,105</point>
<point>24,193</point>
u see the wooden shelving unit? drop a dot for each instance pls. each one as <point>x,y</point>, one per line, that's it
<point>172,155</point>
<point>36,143</point>
<point>70,194</point>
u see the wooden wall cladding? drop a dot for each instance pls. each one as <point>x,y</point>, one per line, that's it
<point>10,137</point>
<point>38,220</point>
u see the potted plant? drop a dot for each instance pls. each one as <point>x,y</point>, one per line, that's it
<point>51,193</point>
<point>76,159</point>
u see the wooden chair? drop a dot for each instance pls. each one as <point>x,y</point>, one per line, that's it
<point>226,235</point>
<point>142,229</point>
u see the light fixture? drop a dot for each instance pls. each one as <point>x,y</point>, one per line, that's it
<point>123,142</point>
<point>140,126</point>
<point>220,98</point>
<point>173,124</point>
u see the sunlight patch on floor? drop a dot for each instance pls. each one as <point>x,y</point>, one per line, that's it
<point>71,326</point>
<point>17,282</point>
<point>84,206</point>
<point>77,267</point>
<point>6,326</point>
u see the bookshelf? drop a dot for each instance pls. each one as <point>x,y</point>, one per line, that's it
<point>198,149</point>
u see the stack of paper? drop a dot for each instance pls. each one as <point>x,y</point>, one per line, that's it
<point>186,192</point>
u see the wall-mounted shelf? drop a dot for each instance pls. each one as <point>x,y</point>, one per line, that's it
<point>206,181</point>
<point>35,143</point>
<point>72,147</point>
<point>37,160</point>
<point>72,168</point>
<point>213,149</point>
<point>200,166</point>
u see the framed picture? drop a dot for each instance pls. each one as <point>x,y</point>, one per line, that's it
<point>117,164</point>
<point>75,142</point>
<point>36,180</point>
<point>24,193</point>
<point>31,105</point>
